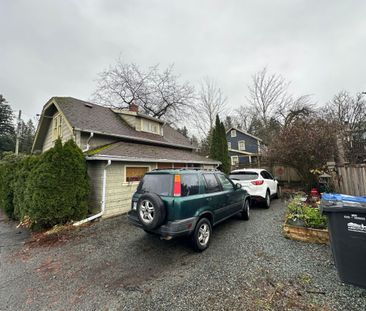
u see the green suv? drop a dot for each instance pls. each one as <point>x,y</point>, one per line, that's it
<point>176,202</point>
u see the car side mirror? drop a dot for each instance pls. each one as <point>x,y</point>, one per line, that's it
<point>238,186</point>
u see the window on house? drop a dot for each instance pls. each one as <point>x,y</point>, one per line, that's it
<point>149,126</point>
<point>234,160</point>
<point>241,144</point>
<point>233,133</point>
<point>135,173</point>
<point>57,126</point>
<point>229,144</point>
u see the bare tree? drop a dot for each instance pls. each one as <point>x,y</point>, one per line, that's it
<point>158,93</point>
<point>348,115</point>
<point>268,95</point>
<point>210,103</point>
<point>300,108</point>
<point>347,110</point>
<point>242,118</point>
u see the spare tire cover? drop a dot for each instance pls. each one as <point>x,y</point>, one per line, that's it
<point>151,211</point>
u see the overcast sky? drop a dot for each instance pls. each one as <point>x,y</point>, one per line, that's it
<point>56,48</point>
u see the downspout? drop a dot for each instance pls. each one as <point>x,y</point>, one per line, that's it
<point>88,141</point>
<point>102,209</point>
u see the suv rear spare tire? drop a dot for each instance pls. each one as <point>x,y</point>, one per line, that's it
<point>151,211</point>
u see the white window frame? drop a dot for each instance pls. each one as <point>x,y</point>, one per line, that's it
<point>149,125</point>
<point>241,142</point>
<point>233,133</point>
<point>125,182</point>
<point>232,160</point>
<point>57,126</point>
<point>229,144</point>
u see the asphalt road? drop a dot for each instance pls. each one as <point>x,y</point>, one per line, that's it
<point>111,265</point>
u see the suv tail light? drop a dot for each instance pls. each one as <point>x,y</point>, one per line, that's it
<point>257,182</point>
<point>176,189</point>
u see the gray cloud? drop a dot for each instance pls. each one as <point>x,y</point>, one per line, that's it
<point>53,48</point>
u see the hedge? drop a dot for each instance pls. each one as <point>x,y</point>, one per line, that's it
<point>8,167</point>
<point>49,189</point>
<point>22,174</point>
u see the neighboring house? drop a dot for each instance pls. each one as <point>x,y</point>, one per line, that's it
<point>120,146</point>
<point>244,148</point>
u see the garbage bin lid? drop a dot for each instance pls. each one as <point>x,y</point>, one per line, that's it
<point>334,202</point>
<point>343,197</point>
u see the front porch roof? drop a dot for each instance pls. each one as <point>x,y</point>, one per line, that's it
<point>135,152</point>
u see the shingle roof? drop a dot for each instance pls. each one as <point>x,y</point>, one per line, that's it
<point>244,132</point>
<point>126,151</point>
<point>88,117</point>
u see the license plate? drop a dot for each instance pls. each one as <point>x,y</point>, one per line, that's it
<point>134,205</point>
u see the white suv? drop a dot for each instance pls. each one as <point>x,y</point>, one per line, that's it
<point>259,183</point>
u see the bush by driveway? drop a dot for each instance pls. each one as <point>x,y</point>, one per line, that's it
<point>113,265</point>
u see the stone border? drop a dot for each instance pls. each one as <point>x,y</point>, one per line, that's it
<point>303,234</point>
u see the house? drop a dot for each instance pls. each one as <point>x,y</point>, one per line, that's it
<point>120,146</point>
<point>244,148</point>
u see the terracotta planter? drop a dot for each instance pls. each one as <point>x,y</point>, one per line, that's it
<point>310,235</point>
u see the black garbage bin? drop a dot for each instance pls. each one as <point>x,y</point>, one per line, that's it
<point>347,231</point>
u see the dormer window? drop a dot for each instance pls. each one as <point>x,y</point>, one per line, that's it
<point>150,126</point>
<point>57,127</point>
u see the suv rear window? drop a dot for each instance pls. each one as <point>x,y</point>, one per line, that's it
<point>243,175</point>
<point>161,184</point>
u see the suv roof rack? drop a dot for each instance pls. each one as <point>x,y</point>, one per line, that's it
<point>186,169</point>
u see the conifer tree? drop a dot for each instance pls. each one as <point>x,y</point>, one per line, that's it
<point>7,137</point>
<point>218,148</point>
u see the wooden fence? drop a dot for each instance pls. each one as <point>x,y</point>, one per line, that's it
<point>351,179</point>
<point>284,174</point>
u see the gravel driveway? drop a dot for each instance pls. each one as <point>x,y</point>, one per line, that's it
<point>112,265</point>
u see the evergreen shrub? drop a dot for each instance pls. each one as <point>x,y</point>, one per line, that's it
<point>8,167</point>
<point>21,175</point>
<point>57,188</point>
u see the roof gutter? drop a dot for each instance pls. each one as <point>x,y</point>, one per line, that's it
<point>126,159</point>
<point>102,208</point>
<point>155,142</point>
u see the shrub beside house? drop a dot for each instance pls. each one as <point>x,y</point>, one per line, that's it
<point>46,190</point>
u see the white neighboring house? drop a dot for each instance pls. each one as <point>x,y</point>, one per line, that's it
<point>259,183</point>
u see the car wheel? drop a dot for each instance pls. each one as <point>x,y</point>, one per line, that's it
<point>151,211</point>
<point>278,193</point>
<point>202,235</point>
<point>246,210</point>
<point>267,202</point>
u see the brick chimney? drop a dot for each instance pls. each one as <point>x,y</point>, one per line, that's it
<point>133,107</point>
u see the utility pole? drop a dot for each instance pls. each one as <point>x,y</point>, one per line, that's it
<point>19,125</point>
